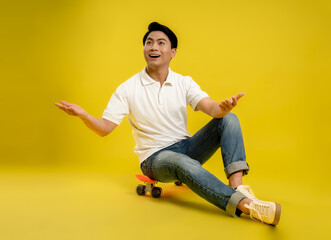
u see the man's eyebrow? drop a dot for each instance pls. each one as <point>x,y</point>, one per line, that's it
<point>157,39</point>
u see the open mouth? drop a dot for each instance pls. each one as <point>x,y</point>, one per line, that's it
<point>154,56</point>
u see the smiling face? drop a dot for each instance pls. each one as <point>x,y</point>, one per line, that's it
<point>157,50</point>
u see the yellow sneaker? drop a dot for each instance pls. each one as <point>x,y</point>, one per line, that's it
<point>247,191</point>
<point>266,212</point>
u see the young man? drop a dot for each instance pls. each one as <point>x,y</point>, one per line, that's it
<point>155,102</point>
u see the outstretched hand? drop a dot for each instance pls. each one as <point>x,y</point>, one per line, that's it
<point>71,109</point>
<point>228,104</point>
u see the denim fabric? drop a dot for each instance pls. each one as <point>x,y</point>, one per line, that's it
<point>183,161</point>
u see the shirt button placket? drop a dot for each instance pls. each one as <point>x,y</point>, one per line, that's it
<point>160,96</point>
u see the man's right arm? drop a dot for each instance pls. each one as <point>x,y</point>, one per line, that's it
<point>100,126</point>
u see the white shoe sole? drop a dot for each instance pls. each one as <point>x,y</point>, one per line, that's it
<point>277,214</point>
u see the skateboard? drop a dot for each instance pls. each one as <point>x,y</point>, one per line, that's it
<point>149,186</point>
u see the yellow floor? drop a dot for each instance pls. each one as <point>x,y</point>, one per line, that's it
<point>100,205</point>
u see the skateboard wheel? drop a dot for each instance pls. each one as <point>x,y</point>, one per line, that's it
<point>178,183</point>
<point>141,190</point>
<point>156,192</point>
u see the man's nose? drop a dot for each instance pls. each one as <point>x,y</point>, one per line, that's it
<point>154,46</point>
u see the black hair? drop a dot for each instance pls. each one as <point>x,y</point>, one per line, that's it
<point>155,26</point>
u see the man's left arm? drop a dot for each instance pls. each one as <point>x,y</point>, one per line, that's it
<point>218,109</point>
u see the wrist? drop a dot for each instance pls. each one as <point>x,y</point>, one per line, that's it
<point>84,116</point>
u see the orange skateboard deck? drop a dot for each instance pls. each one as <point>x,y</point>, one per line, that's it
<point>145,179</point>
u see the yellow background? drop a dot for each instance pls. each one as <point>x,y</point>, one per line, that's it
<point>60,180</point>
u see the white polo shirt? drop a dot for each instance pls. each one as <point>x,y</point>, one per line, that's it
<point>156,113</point>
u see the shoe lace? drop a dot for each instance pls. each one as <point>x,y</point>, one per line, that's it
<point>259,208</point>
<point>248,192</point>
<point>248,189</point>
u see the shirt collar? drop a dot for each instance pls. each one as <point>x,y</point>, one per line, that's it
<point>147,80</point>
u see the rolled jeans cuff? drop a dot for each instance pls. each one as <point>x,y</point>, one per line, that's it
<point>235,167</point>
<point>231,207</point>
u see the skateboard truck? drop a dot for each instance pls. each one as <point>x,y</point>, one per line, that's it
<point>149,186</point>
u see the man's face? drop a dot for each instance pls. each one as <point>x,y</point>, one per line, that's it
<point>157,50</point>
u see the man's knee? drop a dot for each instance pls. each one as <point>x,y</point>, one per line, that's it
<point>167,157</point>
<point>230,119</point>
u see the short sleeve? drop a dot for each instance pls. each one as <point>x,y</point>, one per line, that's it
<point>194,94</point>
<point>118,106</point>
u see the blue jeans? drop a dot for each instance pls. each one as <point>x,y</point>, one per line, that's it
<point>183,161</point>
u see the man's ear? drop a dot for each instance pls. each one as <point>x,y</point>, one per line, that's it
<point>173,52</point>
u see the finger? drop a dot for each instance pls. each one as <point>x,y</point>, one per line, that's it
<point>240,95</point>
<point>225,105</point>
<point>61,106</point>
<point>222,104</point>
<point>64,108</point>
<point>65,103</point>
<point>221,107</point>
<point>230,100</point>
<point>72,111</point>
<point>234,101</point>
<point>228,103</point>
